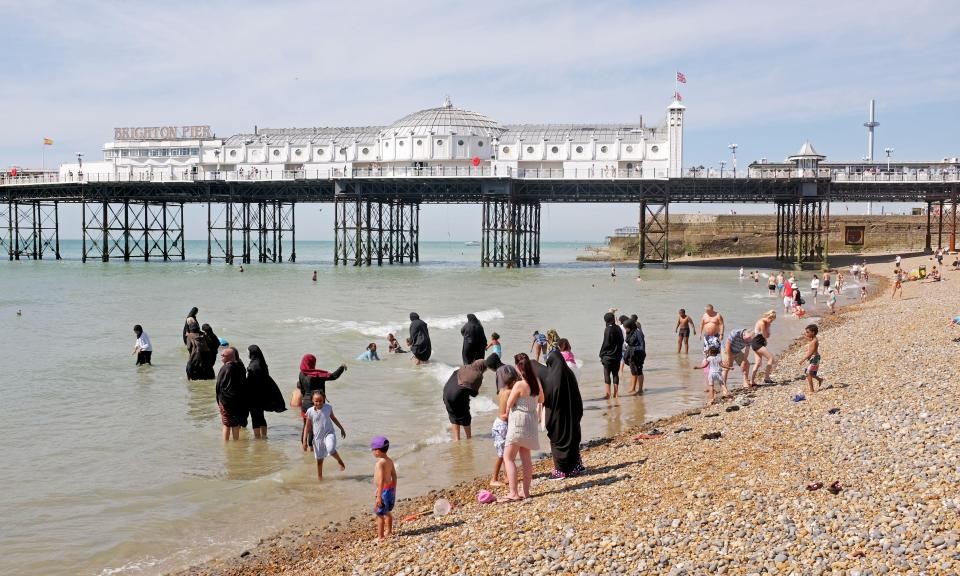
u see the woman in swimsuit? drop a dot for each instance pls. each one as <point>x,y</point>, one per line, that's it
<point>759,346</point>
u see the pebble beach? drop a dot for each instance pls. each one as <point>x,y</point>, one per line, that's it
<point>661,499</point>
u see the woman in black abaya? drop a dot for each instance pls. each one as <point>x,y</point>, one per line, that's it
<point>564,409</point>
<point>213,348</point>
<point>463,384</point>
<point>474,340</point>
<point>191,315</point>
<point>263,392</point>
<point>420,345</point>
<point>197,363</point>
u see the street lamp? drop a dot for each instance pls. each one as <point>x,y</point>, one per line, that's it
<point>733,150</point>
<point>722,164</point>
<point>889,151</point>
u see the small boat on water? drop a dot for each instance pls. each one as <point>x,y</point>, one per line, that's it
<point>471,243</point>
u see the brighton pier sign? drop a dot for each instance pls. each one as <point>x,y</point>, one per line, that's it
<point>162,133</point>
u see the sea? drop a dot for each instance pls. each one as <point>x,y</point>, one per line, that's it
<point>113,469</point>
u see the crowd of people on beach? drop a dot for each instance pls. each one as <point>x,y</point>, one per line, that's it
<point>531,396</point>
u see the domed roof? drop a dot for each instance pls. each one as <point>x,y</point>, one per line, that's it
<point>444,120</point>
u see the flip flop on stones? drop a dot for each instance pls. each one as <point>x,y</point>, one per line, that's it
<point>682,429</point>
<point>732,408</point>
<point>813,486</point>
<point>835,488</point>
<point>710,436</point>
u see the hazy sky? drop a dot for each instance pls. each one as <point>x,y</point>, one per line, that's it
<point>763,75</point>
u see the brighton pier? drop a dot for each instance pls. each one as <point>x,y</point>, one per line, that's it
<point>377,178</point>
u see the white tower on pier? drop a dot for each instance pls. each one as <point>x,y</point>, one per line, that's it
<point>675,138</point>
<point>870,125</point>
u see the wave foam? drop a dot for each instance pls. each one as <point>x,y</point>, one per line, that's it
<point>381,329</point>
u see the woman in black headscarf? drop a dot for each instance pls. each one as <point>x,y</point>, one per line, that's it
<point>564,409</point>
<point>462,384</point>
<point>197,363</point>
<point>263,392</point>
<point>186,323</point>
<point>420,345</point>
<point>213,346</point>
<point>474,340</point>
<point>232,394</point>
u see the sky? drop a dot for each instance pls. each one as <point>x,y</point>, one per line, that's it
<point>766,76</point>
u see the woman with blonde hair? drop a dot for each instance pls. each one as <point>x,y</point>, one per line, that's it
<point>759,345</point>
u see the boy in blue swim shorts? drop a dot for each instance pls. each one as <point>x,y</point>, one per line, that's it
<point>385,479</point>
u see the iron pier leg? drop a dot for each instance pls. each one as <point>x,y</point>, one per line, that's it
<point>926,248</point>
<point>940,226</point>
<point>654,232</point>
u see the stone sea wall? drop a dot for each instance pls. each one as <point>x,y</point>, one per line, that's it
<point>717,236</point>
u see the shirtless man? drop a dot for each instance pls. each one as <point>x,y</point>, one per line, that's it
<point>683,328</point>
<point>711,328</point>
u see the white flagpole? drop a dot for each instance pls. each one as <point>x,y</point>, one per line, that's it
<point>43,156</point>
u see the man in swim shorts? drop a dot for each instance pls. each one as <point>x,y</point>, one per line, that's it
<point>385,479</point>
<point>684,325</point>
<point>711,328</point>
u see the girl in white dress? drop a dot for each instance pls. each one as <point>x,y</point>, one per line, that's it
<point>522,431</point>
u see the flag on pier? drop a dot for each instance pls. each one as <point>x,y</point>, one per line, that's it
<point>48,142</point>
<point>677,97</point>
<point>681,78</point>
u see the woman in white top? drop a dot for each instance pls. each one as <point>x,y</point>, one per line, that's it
<point>815,287</point>
<point>522,431</point>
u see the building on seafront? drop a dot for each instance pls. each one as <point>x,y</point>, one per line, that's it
<point>446,140</point>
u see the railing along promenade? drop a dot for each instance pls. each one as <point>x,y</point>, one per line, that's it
<point>267,175</point>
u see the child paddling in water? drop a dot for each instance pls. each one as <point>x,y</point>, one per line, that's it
<point>713,375</point>
<point>320,421</point>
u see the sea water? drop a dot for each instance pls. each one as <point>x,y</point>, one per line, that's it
<point>113,469</point>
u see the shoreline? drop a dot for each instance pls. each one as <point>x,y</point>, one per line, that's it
<point>762,263</point>
<point>302,542</point>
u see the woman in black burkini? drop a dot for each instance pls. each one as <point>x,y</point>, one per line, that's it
<point>186,323</point>
<point>420,345</point>
<point>212,348</point>
<point>611,353</point>
<point>474,340</point>
<point>263,394</point>
<point>463,384</point>
<point>564,409</point>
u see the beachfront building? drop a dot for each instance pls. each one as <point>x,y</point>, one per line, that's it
<point>443,141</point>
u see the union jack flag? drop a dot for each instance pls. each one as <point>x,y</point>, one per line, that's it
<point>681,78</point>
<point>677,97</point>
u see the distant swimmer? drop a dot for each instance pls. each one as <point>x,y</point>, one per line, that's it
<point>19,312</point>
<point>741,273</point>
<point>143,349</point>
<point>241,267</point>
<point>613,272</point>
<point>314,275</point>
<point>711,328</point>
<point>393,345</point>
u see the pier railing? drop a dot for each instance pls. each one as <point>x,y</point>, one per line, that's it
<point>603,173</point>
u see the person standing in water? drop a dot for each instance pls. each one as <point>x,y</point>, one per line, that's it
<point>312,379</point>
<point>683,328</point>
<point>636,353</point>
<point>495,345</point>
<point>143,349</point>
<point>611,354</point>
<point>463,384</point>
<point>314,275</point>
<point>759,347</point>
<point>474,340</point>
<point>231,392</point>
<point>191,315</point>
<point>264,394</point>
<point>420,345</point>
<point>711,328</point>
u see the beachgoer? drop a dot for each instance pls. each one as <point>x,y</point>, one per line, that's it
<point>713,375</point>
<point>563,411</point>
<point>522,433</point>
<point>780,282</point>
<point>495,344</point>
<point>463,384</point>
<point>814,287</point>
<point>832,300</point>
<point>940,256</point>
<point>419,342</point>
<point>737,353</point>
<point>897,261</point>
<point>711,328</point>
<point>314,275</point>
<point>142,348</point>
<point>772,284</point>
<point>192,315</point>
<point>741,273</point>
<point>319,431</point>
<point>863,293</point>
<point>683,328</point>
<point>394,344</point>
<point>613,271</point>
<point>563,345</point>
<point>474,340</point>
<point>309,381</point>
<point>787,297</point>
<point>209,355</point>
<point>370,353</point>
<point>839,281</point>
<point>934,276</point>
<point>759,346</point>
<point>611,354</point>
<point>263,393</point>
<point>506,376</point>
<point>864,272</point>
<point>552,338</point>
<point>636,354</point>
<point>538,345</point>
<point>231,394</point>
<point>756,276</point>
<point>799,312</point>
<point>385,479</point>
<point>812,357</point>
<point>826,281</point>
<point>198,366</point>
<point>897,285</point>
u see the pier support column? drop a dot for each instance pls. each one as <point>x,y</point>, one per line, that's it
<point>953,225</point>
<point>132,230</point>
<point>927,249</point>
<point>510,233</point>
<point>263,225</point>
<point>940,216</point>
<point>802,233</point>
<point>368,232</point>
<point>654,233</point>
<point>32,227</point>
<point>6,229</point>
